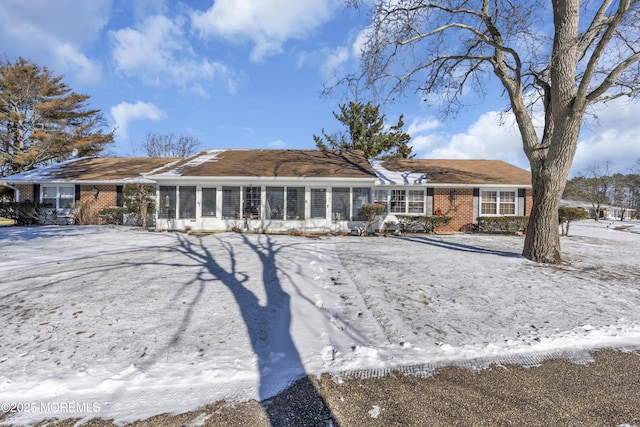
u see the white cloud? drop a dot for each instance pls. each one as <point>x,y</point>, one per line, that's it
<point>423,124</point>
<point>495,135</point>
<point>492,136</point>
<point>614,137</point>
<point>55,33</point>
<point>277,144</point>
<point>268,24</point>
<point>125,112</point>
<point>158,52</point>
<point>333,61</point>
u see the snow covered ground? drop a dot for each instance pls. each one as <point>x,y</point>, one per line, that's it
<point>114,322</point>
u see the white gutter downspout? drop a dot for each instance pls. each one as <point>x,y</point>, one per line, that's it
<point>15,190</point>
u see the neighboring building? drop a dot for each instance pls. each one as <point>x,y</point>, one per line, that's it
<point>282,190</point>
<point>608,212</point>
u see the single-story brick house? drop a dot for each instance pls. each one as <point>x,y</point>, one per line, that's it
<point>281,190</point>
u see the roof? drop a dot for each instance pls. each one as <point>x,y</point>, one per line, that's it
<point>343,164</point>
<point>457,172</point>
<point>272,163</point>
<point>94,169</point>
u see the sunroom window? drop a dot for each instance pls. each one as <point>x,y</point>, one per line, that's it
<point>295,202</point>
<point>187,202</point>
<point>318,203</point>
<point>209,201</point>
<point>252,202</point>
<point>340,203</point>
<point>230,202</point>
<point>361,197</point>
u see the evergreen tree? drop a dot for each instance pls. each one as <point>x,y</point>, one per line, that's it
<point>42,121</point>
<point>366,131</point>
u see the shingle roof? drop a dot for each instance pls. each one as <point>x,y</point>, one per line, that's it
<point>272,163</point>
<point>434,171</point>
<point>118,169</point>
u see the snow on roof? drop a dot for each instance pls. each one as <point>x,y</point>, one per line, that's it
<point>39,174</point>
<point>449,172</point>
<point>94,169</point>
<point>192,162</point>
<point>392,177</point>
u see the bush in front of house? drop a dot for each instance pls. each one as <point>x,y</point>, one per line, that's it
<point>370,212</point>
<point>503,224</point>
<point>113,215</point>
<point>24,213</point>
<point>568,214</point>
<point>421,224</point>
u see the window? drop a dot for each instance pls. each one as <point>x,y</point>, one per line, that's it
<point>274,208</point>
<point>230,202</point>
<point>252,202</point>
<point>416,201</point>
<point>381,197</point>
<point>507,203</point>
<point>187,202</point>
<point>340,203</point>
<point>397,201</point>
<point>58,197</point>
<point>167,202</point>
<point>360,197</point>
<point>498,203</point>
<point>318,203</point>
<point>295,202</point>
<point>209,201</point>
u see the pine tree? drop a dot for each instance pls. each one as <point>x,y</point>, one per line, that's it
<point>366,131</point>
<point>42,121</point>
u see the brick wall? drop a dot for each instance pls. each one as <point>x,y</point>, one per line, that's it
<point>528,202</point>
<point>26,191</point>
<point>460,210</point>
<point>107,196</point>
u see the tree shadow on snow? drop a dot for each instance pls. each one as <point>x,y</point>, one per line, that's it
<point>268,327</point>
<point>445,244</point>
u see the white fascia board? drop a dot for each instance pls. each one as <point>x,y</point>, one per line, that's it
<point>82,182</point>
<point>432,185</point>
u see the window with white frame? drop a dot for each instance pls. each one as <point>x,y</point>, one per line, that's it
<point>340,203</point>
<point>495,202</point>
<point>230,202</point>
<point>209,201</point>
<point>397,201</point>
<point>252,202</point>
<point>381,197</point>
<point>318,203</point>
<point>187,201</point>
<point>274,207</point>
<point>58,197</point>
<point>167,202</point>
<point>295,203</point>
<point>361,196</point>
<point>415,200</point>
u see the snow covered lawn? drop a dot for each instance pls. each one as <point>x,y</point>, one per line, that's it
<point>132,324</point>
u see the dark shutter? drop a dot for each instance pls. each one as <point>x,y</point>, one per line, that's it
<point>119,196</point>
<point>76,196</point>
<point>36,193</point>
<point>476,204</point>
<point>429,201</point>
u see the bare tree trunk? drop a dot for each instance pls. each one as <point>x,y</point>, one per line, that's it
<point>549,173</point>
<point>542,241</point>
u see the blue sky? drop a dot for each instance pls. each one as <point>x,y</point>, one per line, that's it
<point>249,74</point>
